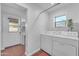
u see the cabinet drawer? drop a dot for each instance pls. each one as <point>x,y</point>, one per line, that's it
<point>63,49</point>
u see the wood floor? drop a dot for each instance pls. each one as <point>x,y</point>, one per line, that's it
<point>17,50</point>
<point>41,53</point>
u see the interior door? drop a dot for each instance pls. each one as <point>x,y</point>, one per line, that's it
<point>23,31</point>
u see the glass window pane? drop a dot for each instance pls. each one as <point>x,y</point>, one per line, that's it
<point>60,21</point>
<point>13,29</point>
<point>13,25</point>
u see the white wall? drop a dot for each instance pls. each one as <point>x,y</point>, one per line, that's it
<point>33,31</point>
<point>43,22</point>
<point>34,27</point>
<point>40,26</point>
<point>70,10</point>
<point>0,26</point>
<point>11,10</point>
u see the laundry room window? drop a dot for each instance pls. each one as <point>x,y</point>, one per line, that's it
<point>13,24</point>
<point>60,21</point>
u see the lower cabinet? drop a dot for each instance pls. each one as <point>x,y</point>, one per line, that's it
<point>46,44</point>
<point>61,49</point>
<point>59,46</point>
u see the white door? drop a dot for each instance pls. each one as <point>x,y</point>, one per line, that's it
<point>23,31</point>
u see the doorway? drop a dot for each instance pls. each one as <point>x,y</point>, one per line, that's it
<point>13,30</point>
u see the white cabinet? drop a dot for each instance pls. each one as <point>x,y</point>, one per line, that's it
<point>58,46</point>
<point>46,44</point>
<point>64,47</point>
<point>61,49</point>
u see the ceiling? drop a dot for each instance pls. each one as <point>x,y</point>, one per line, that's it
<point>51,7</point>
<point>43,6</point>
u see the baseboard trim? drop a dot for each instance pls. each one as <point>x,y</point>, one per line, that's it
<point>46,52</point>
<point>26,53</point>
<point>2,49</point>
<point>30,54</point>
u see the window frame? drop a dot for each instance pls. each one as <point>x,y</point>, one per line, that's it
<point>60,26</point>
<point>17,25</point>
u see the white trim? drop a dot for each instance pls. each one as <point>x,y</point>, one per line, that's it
<point>30,54</point>
<point>25,53</point>
<point>2,48</point>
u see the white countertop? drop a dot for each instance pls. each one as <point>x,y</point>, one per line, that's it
<point>61,36</point>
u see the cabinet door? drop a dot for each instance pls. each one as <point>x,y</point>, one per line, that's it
<point>61,49</point>
<point>46,44</point>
